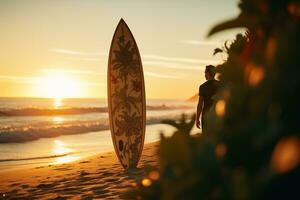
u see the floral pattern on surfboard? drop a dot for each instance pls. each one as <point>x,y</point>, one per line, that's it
<point>126,97</point>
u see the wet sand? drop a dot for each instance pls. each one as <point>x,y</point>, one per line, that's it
<point>100,176</point>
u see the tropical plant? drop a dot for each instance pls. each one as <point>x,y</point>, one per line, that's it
<point>253,149</point>
<point>184,126</point>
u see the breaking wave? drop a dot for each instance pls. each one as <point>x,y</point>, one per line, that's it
<point>72,111</point>
<point>26,134</point>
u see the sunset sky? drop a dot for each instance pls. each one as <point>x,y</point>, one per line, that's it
<point>60,48</point>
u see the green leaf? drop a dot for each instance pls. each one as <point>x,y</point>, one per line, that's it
<point>217,50</point>
<point>242,21</point>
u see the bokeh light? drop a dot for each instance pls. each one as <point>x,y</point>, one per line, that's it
<point>220,108</point>
<point>154,175</point>
<point>221,150</point>
<point>255,74</point>
<point>146,182</point>
<point>286,155</point>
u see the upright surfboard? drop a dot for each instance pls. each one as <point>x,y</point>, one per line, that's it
<point>126,97</point>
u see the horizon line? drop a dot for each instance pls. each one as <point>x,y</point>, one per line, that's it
<point>35,97</point>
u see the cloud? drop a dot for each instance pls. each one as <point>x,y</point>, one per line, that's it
<point>179,59</point>
<point>92,84</point>
<point>180,63</point>
<point>74,71</point>
<point>201,43</point>
<point>88,56</point>
<point>18,79</point>
<point>71,52</point>
<point>37,80</point>
<point>176,62</point>
<point>170,65</point>
<point>85,59</point>
<point>157,75</point>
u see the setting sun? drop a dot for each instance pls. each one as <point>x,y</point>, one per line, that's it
<point>59,85</point>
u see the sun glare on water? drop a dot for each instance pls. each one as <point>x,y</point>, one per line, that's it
<point>58,120</point>
<point>57,102</point>
<point>60,148</point>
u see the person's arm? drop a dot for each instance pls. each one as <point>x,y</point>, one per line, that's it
<point>199,111</point>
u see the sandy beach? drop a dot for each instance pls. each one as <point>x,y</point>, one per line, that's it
<point>100,176</point>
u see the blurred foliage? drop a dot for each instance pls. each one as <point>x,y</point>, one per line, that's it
<point>253,149</point>
<point>184,126</point>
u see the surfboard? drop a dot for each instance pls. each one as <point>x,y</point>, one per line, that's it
<point>126,97</point>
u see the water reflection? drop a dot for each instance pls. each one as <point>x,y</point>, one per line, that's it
<point>66,159</point>
<point>60,148</point>
<point>58,120</point>
<point>57,102</point>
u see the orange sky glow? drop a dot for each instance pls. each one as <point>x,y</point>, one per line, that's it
<point>59,49</point>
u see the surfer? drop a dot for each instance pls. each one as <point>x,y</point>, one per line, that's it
<point>206,93</point>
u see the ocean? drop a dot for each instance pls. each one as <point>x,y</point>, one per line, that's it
<point>36,131</point>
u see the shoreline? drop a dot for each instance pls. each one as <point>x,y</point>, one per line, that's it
<point>99,176</point>
<point>67,148</point>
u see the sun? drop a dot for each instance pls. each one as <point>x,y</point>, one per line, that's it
<point>59,85</point>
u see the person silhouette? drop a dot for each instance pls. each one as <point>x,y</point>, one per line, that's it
<point>206,93</point>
